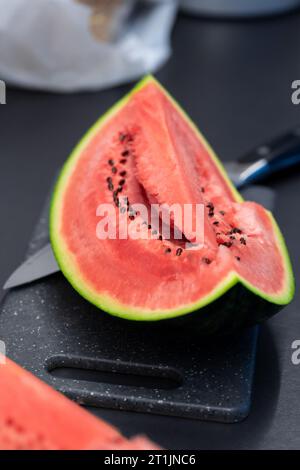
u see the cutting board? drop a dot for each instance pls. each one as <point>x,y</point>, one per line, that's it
<point>102,361</point>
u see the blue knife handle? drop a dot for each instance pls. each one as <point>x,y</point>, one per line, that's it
<point>264,168</point>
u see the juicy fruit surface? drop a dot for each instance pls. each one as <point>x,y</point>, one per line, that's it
<point>35,417</point>
<point>148,151</point>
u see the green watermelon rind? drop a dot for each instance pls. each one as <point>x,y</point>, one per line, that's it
<point>105,301</point>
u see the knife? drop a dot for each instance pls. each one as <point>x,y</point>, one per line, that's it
<point>280,153</point>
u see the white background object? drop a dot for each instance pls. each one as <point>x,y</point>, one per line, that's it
<point>49,44</point>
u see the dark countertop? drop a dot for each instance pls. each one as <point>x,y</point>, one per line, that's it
<point>234,79</point>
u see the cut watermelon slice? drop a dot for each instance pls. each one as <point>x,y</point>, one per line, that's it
<point>147,148</point>
<point>33,416</point>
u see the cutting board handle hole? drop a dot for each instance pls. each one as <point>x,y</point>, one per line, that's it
<point>114,373</point>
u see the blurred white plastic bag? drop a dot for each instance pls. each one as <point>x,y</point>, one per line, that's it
<point>69,45</point>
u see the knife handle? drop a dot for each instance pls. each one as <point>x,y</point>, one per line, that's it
<point>263,168</point>
<point>280,147</point>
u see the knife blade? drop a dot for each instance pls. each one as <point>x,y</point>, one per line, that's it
<point>43,263</point>
<point>38,266</point>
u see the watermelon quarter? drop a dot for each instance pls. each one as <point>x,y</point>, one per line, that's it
<point>146,151</point>
<point>33,416</point>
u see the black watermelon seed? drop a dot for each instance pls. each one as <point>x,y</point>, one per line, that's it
<point>123,161</point>
<point>206,260</point>
<point>227,244</point>
<point>243,241</point>
<point>149,227</point>
<point>216,223</point>
<point>125,153</point>
<point>110,186</point>
<point>232,237</point>
<point>131,217</point>
<point>178,251</point>
<point>117,202</point>
<point>236,230</point>
<point>160,237</point>
<point>211,209</point>
<point>109,180</point>
<point>122,182</point>
<point>114,170</point>
<point>168,250</point>
<point>222,212</point>
<point>111,162</point>
<point>123,173</point>
<point>238,258</point>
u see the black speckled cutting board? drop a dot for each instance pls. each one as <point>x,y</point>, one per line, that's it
<point>103,361</point>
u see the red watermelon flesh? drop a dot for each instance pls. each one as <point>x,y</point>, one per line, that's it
<point>166,160</point>
<point>177,179</point>
<point>33,416</point>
